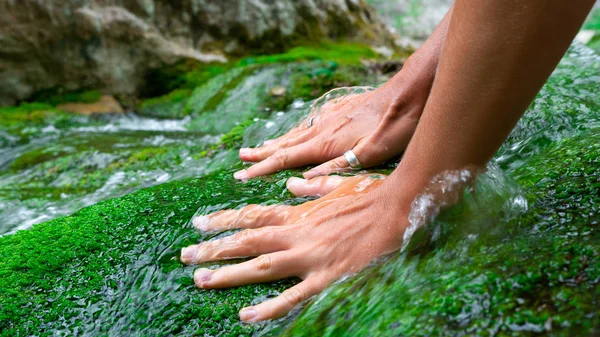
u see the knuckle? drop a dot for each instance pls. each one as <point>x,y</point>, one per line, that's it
<point>264,263</point>
<point>246,236</point>
<point>328,146</point>
<point>293,296</point>
<point>281,157</point>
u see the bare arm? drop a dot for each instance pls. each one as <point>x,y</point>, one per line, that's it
<point>497,56</point>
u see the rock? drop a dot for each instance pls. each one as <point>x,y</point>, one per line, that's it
<point>111,45</point>
<point>120,257</point>
<point>106,104</point>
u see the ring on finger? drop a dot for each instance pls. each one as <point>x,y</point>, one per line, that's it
<point>309,123</point>
<point>352,160</point>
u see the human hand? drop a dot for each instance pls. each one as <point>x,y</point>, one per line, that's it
<point>376,125</point>
<point>318,241</point>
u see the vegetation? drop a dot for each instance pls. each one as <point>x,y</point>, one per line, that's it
<point>113,269</point>
<point>211,83</point>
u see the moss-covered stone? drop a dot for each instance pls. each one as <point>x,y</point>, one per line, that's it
<point>112,269</point>
<point>188,87</point>
<point>308,81</point>
<point>171,105</point>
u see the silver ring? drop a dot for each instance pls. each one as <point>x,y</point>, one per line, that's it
<point>352,160</point>
<point>309,123</point>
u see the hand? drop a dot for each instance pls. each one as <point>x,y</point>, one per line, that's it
<point>318,241</point>
<point>377,125</point>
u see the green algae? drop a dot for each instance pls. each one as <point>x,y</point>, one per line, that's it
<point>112,268</point>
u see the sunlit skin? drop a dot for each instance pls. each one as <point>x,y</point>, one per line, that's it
<point>495,58</point>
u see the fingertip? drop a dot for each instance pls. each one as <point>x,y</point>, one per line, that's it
<point>202,276</point>
<point>310,174</point>
<point>248,315</point>
<point>241,175</point>
<point>268,142</point>
<point>245,153</point>
<point>295,185</point>
<point>201,222</point>
<point>188,254</point>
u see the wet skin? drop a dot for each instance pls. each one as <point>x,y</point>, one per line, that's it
<point>488,73</point>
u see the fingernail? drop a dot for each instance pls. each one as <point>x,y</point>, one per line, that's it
<point>188,254</point>
<point>268,142</point>
<point>310,174</point>
<point>201,276</point>
<point>241,175</point>
<point>201,222</point>
<point>245,151</point>
<point>294,182</point>
<point>248,314</point>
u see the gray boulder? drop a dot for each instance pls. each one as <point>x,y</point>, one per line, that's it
<point>112,44</point>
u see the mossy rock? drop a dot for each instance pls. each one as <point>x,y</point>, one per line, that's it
<point>112,268</point>
<point>192,88</point>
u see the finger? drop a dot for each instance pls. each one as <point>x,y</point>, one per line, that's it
<point>249,242</point>
<point>292,131</point>
<point>319,186</point>
<point>282,304</point>
<point>251,216</point>
<point>339,164</point>
<point>260,153</point>
<point>265,268</point>
<point>298,155</point>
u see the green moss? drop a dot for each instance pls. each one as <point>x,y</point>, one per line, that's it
<point>29,113</point>
<point>56,96</point>
<point>170,86</point>
<point>308,81</point>
<point>343,53</point>
<point>595,42</point>
<point>593,22</point>
<point>536,274</point>
<point>171,105</point>
<point>112,269</point>
<point>186,74</point>
<point>202,95</point>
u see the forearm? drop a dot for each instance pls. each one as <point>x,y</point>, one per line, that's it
<point>495,58</point>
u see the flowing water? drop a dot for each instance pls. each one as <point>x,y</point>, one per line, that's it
<point>475,269</point>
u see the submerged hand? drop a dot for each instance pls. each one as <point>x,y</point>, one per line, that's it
<point>377,125</point>
<point>318,241</point>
